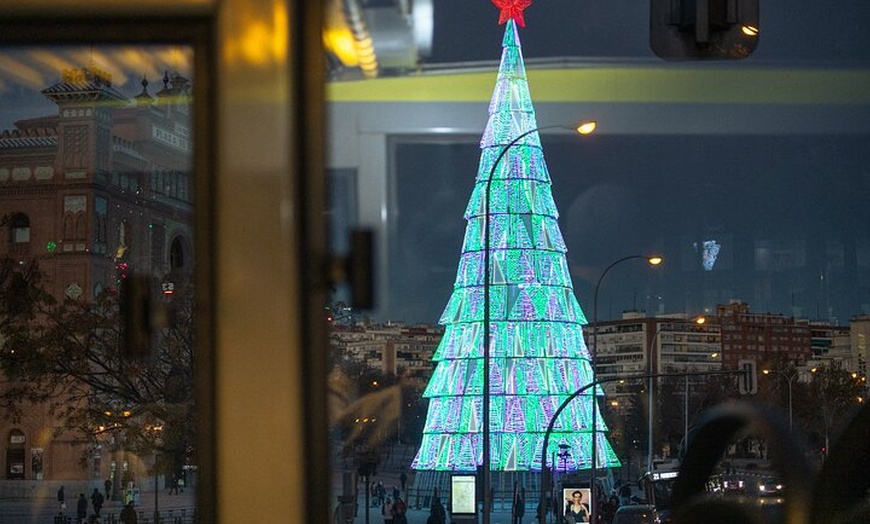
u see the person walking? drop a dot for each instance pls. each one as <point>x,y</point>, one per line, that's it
<point>382,493</point>
<point>173,489</point>
<point>610,508</point>
<point>387,511</point>
<point>97,501</point>
<point>518,509</point>
<point>399,511</point>
<point>108,489</point>
<point>61,499</point>
<point>81,508</point>
<point>128,514</point>
<point>437,513</point>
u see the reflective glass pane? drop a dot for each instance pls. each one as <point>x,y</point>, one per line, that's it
<point>513,280</point>
<point>96,291</point>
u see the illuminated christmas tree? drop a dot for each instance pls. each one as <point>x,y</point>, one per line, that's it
<point>537,353</point>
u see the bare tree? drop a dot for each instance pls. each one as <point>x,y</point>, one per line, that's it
<point>69,356</point>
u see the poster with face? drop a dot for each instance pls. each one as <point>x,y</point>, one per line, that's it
<point>576,505</point>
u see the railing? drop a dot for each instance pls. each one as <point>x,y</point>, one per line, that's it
<point>169,516</point>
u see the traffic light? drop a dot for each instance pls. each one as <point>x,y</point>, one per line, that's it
<point>747,381</point>
<point>703,29</point>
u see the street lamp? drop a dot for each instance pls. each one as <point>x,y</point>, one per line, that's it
<point>653,260</point>
<point>116,414</point>
<point>789,378</point>
<point>584,128</point>
<point>650,371</point>
<point>591,385</point>
<point>686,410</point>
<point>651,401</point>
<point>155,431</point>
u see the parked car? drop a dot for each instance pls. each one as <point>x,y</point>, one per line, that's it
<point>637,514</point>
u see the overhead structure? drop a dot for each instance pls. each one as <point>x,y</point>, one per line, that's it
<point>382,38</point>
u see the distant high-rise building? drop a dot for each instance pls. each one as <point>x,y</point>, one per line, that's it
<point>394,349</point>
<point>638,344</point>
<point>860,343</point>
<point>771,340</point>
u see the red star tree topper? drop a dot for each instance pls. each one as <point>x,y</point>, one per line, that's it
<point>512,9</point>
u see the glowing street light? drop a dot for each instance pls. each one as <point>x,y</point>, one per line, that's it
<point>583,128</point>
<point>701,320</point>
<point>587,128</point>
<point>653,260</point>
<point>789,378</point>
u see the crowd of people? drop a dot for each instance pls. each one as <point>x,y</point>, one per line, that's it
<point>96,503</point>
<point>127,516</point>
<point>393,507</point>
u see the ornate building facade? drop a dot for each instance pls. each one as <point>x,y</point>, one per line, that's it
<point>98,189</point>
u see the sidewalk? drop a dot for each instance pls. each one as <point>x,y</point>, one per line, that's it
<point>419,516</point>
<point>181,505</point>
<point>173,508</point>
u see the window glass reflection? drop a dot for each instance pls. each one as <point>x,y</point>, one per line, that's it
<point>746,176</point>
<point>96,295</point>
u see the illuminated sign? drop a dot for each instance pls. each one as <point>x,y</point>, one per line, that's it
<point>665,475</point>
<point>463,494</point>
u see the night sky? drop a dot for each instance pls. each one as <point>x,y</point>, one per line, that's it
<point>787,211</point>
<point>799,249</point>
<point>797,30</point>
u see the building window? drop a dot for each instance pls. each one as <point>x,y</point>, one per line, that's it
<point>19,227</point>
<point>176,254</point>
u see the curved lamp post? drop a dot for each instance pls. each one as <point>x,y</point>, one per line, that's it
<point>789,378</point>
<point>651,401</point>
<point>653,260</point>
<point>584,128</point>
<point>542,510</point>
<point>700,320</point>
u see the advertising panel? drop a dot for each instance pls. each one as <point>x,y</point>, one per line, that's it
<point>463,494</point>
<point>576,505</point>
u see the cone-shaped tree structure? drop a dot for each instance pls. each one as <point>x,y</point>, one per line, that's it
<point>537,353</point>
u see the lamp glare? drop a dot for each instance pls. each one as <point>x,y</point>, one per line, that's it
<point>586,128</point>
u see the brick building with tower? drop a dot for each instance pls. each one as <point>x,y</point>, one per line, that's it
<point>98,189</point>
